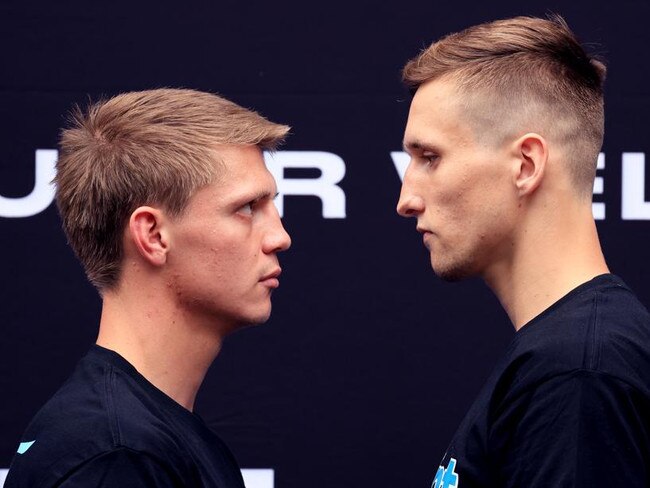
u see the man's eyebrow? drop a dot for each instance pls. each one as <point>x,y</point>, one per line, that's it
<point>414,145</point>
<point>260,195</point>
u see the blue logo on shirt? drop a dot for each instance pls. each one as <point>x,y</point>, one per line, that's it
<point>22,448</point>
<point>446,478</point>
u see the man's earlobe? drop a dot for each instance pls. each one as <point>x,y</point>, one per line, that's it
<point>531,152</point>
<point>148,234</point>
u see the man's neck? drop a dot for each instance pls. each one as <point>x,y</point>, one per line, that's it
<point>169,349</point>
<point>550,259</point>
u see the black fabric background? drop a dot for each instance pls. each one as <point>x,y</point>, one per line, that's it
<point>369,362</point>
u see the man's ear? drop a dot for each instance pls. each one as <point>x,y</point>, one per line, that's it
<point>148,232</point>
<point>531,154</point>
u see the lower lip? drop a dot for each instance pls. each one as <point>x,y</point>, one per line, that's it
<point>425,237</point>
<point>271,282</point>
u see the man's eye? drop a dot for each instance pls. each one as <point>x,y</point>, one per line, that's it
<point>430,159</point>
<point>247,209</point>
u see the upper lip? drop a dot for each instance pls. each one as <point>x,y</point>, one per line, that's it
<point>273,274</point>
<point>422,230</point>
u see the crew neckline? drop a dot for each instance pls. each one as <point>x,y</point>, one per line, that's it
<point>596,281</point>
<point>116,360</point>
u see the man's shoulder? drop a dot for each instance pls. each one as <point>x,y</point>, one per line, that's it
<point>621,338</point>
<point>98,411</point>
<point>88,466</point>
<point>108,406</point>
<point>602,329</point>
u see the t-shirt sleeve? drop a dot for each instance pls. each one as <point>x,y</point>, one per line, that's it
<point>123,468</point>
<point>584,429</point>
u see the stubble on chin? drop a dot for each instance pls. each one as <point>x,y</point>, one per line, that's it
<point>454,271</point>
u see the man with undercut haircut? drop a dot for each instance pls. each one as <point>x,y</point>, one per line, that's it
<point>504,131</point>
<point>166,201</point>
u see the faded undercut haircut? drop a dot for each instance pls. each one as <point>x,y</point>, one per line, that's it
<point>522,75</point>
<point>155,147</point>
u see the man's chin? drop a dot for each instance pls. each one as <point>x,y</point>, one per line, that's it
<point>244,321</point>
<point>450,273</point>
<point>258,318</point>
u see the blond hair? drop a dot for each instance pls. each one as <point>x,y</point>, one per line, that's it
<point>154,147</point>
<point>523,73</point>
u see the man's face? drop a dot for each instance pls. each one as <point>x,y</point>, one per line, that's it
<point>223,257</point>
<point>459,189</point>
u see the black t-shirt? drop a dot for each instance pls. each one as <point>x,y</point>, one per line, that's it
<point>108,426</point>
<point>569,404</point>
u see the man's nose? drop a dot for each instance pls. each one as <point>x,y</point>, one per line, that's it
<point>277,239</point>
<point>410,203</point>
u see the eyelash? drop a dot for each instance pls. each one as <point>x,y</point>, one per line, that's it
<point>430,159</point>
<point>248,208</point>
<point>252,204</point>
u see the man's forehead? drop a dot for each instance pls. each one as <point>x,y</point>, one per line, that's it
<point>441,112</point>
<point>233,158</point>
<point>430,121</point>
<point>443,92</point>
<point>241,171</point>
<point>256,180</point>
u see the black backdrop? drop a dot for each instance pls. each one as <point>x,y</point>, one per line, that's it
<point>369,361</point>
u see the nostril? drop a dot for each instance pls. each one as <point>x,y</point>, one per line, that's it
<point>407,208</point>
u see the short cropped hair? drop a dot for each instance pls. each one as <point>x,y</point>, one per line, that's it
<point>529,66</point>
<point>154,147</point>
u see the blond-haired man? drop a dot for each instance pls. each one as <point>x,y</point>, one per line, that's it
<point>166,201</point>
<point>503,132</point>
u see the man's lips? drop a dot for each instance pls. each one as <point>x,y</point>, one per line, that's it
<point>271,279</point>
<point>426,234</point>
